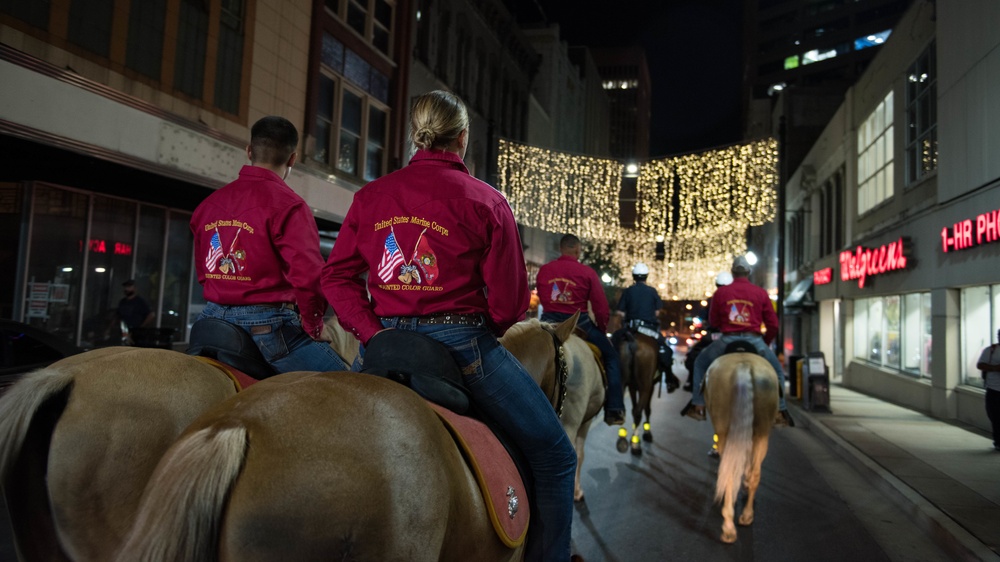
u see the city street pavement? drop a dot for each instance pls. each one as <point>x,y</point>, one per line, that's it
<point>946,476</point>
<point>869,481</point>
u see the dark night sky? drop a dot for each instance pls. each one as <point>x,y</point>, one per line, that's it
<point>693,48</point>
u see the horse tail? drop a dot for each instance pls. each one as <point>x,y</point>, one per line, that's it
<point>739,441</point>
<point>182,508</point>
<point>19,406</point>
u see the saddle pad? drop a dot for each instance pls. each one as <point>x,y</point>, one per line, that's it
<point>240,379</point>
<point>495,472</point>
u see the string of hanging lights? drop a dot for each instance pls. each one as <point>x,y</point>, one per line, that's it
<point>698,205</point>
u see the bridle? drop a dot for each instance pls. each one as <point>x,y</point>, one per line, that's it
<point>562,371</point>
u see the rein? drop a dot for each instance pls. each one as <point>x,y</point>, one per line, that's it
<point>562,372</point>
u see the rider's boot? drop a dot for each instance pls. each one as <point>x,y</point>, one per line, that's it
<point>667,368</point>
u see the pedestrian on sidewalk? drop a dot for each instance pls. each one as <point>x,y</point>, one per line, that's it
<point>989,364</point>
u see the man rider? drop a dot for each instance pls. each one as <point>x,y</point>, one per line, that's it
<point>738,310</point>
<point>566,286</point>
<point>639,304</point>
<point>721,280</point>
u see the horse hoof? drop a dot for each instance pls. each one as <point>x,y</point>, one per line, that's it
<point>728,537</point>
<point>746,520</point>
<point>579,498</point>
<point>636,450</point>
<point>647,437</point>
<point>622,445</point>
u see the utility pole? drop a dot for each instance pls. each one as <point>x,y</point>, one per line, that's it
<point>782,176</point>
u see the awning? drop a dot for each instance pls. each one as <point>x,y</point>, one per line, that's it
<point>801,296</point>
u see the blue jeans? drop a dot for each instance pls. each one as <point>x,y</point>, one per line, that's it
<point>615,400</point>
<point>287,347</point>
<point>505,392</point>
<point>716,348</point>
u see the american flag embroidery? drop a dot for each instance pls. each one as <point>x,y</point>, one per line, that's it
<point>214,252</point>
<point>391,259</point>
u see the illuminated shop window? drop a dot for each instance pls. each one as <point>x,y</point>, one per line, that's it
<point>980,322</point>
<point>792,62</point>
<point>894,332</point>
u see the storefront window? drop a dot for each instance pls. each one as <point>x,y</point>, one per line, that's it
<point>83,246</point>
<point>109,264</point>
<point>977,330</point>
<point>56,259</point>
<point>11,210</point>
<point>177,274</point>
<point>916,333</point>
<point>895,332</point>
<point>149,253</point>
<point>876,344</point>
<point>861,328</point>
<point>891,331</point>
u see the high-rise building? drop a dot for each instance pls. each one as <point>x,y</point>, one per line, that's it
<point>811,50</point>
<point>625,77</point>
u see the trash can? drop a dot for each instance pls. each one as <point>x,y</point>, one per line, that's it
<point>816,391</point>
<point>794,371</point>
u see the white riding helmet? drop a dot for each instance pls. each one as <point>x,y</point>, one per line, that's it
<point>640,269</point>
<point>723,279</point>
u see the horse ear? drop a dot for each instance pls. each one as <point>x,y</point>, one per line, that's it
<point>565,329</point>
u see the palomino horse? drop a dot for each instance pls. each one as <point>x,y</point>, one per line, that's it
<point>639,362</point>
<point>741,394</point>
<point>79,439</point>
<point>342,341</point>
<point>528,341</point>
<point>289,470</point>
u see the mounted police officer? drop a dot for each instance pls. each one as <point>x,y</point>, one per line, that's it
<point>640,304</point>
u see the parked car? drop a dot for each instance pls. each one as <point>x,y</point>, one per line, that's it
<point>24,348</point>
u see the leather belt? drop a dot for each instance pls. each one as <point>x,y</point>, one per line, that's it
<point>741,334</point>
<point>460,319</point>
<point>285,305</point>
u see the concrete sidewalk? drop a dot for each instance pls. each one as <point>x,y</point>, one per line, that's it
<point>946,477</point>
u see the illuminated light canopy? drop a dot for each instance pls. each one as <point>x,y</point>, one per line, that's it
<point>719,194</point>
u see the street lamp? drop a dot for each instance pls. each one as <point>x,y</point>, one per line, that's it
<point>751,258</point>
<point>606,278</point>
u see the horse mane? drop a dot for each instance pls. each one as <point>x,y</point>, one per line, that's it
<point>517,330</point>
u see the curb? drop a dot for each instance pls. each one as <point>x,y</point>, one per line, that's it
<point>942,529</point>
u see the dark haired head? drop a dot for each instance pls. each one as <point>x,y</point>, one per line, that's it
<point>273,139</point>
<point>568,242</point>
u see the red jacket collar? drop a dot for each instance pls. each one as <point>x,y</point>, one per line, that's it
<point>440,156</point>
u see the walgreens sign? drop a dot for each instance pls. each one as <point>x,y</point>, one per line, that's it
<point>869,262</point>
